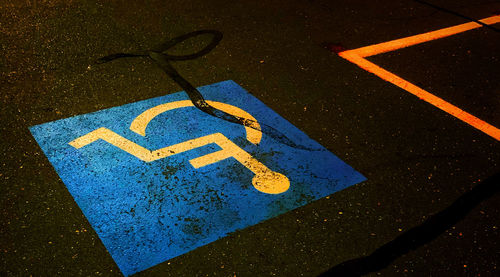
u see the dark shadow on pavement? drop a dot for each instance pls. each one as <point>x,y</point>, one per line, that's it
<point>419,235</point>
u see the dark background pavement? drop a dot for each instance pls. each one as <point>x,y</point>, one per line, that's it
<point>417,159</point>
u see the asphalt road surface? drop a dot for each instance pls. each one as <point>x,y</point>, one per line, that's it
<point>417,158</point>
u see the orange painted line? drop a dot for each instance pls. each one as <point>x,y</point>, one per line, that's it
<point>421,38</point>
<point>356,56</point>
<point>423,95</point>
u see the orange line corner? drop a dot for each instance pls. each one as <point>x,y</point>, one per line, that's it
<point>357,56</point>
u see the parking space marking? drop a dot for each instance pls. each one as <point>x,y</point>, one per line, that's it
<point>265,180</point>
<point>159,177</point>
<point>357,56</point>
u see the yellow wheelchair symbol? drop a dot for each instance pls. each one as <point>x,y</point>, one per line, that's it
<point>265,180</point>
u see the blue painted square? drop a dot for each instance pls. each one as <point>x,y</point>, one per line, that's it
<point>147,212</point>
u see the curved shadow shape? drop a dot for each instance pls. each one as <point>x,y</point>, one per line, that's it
<point>162,59</point>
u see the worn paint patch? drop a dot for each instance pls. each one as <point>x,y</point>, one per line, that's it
<point>187,178</point>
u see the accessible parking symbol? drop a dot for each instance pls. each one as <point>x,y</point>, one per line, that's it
<point>159,178</point>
